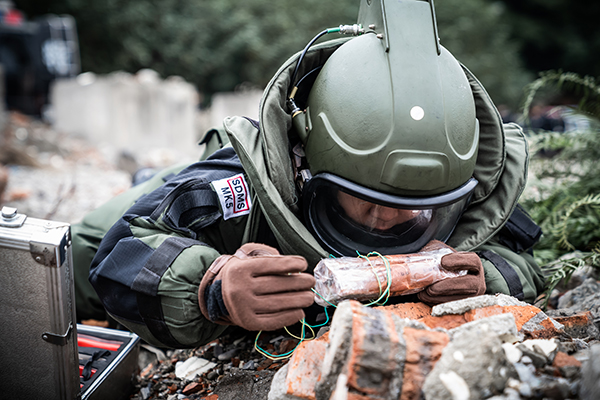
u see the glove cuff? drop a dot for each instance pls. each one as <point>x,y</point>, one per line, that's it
<point>212,274</point>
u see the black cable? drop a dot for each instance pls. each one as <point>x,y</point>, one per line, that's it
<point>303,54</point>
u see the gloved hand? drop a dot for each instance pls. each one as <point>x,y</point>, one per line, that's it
<point>259,289</point>
<point>469,285</point>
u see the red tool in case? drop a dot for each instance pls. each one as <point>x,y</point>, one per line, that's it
<point>40,357</point>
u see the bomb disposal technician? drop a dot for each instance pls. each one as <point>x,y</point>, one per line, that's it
<point>377,141</point>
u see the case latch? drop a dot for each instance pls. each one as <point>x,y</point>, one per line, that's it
<point>10,218</point>
<point>59,340</point>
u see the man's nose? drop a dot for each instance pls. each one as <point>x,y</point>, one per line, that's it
<point>384,213</point>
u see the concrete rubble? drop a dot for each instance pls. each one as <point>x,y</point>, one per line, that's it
<point>477,348</point>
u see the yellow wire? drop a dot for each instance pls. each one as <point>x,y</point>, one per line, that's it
<point>373,270</point>
<point>296,337</point>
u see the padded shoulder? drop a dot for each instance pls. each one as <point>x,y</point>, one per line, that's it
<point>483,219</point>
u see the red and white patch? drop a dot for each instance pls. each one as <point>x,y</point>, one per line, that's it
<point>234,196</point>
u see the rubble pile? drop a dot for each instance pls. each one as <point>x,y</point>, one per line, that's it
<point>226,368</point>
<point>486,347</point>
<point>483,347</point>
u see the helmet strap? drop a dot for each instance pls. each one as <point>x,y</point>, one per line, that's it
<point>301,172</point>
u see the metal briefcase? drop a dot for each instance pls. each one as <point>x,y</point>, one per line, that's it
<point>38,333</point>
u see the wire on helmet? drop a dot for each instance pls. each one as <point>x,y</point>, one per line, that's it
<point>353,30</point>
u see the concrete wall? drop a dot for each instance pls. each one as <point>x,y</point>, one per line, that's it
<point>134,112</point>
<point>244,103</point>
<point>142,112</point>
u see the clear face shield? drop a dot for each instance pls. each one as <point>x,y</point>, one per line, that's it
<point>347,218</point>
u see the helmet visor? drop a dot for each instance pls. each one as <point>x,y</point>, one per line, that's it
<point>347,218</point>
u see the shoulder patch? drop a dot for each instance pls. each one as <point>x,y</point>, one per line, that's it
<point>234,196</point>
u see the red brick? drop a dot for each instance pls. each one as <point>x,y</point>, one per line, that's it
<point>362,355</point>
<point>287,345</point>
<point>423,349</point>
<point>547,331</point>
<point>146,372</point>
<point>522,314</point>
<point>446,321</point>
<point>408,310</point>
<point>562,360</point>
<point>192,388</point>
<point>264,364</point>
<point>304,368</point>
<point>577,325</point>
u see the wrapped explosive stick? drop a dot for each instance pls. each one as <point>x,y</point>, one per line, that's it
<point>366,278</point>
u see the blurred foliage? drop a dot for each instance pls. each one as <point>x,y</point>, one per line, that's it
<point>567,186</point>
<point>566,183</point>
<point>218,45</point>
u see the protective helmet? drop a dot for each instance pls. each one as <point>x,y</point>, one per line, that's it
<point>390,136</point>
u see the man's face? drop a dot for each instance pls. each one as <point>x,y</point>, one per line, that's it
<point>372,215</point>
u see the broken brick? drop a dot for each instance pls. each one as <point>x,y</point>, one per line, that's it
<point>564,360</point>
<point>146,372</point>
<point>579,325</point>
<point>445,321</point>
<point>567,365</point>
<point>408,310</point>
<point>373,361</point>
<point>530,320</point>
<point>423,349</point>
<point>192,388</point>
<point>304,369</point>
<point>264,364</point>
<point>365,348</point>
<point>287,345</point>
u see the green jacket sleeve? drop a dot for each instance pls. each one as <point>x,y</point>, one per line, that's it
<point>148,266</point>
<point>509,272</point>
<point>177,292</point>
<point>88,233</point>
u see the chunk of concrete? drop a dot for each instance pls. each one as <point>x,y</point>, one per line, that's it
<point>192,367</point>
<point>513,354</point>
<point>473,303</point>
<point>502,324</point>
<point>475,355</point>
<point>574,298</point>
<point>590,375</point>
<point>544,347</point>
<point>278,390</point>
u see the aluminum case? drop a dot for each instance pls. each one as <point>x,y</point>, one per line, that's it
<point>38,335</point>
<point>39,353</point>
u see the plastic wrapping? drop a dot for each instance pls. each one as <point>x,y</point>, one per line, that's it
<point>356,277</point>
